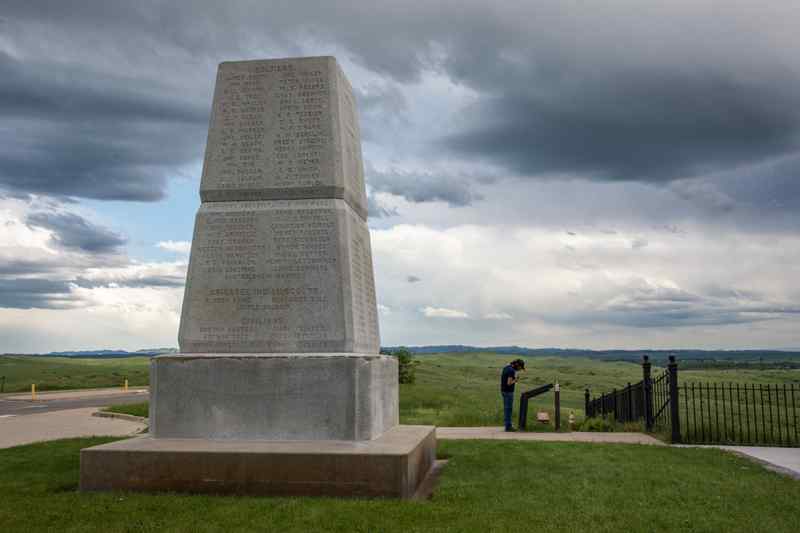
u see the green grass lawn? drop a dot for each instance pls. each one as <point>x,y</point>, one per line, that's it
<point>487,486</point>
<point>463,389</point>
<point>59,373</point>
<point>135,409</point>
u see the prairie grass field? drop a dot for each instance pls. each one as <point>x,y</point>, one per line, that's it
<point>452,389</point>
<point>61,373</point>
<point>486,486</point>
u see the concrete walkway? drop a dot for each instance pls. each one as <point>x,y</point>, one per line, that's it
<point>497,433</point>
<point>782,460</point>
<point>17,430</point>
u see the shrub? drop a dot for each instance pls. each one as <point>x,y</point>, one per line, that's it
<point>407,364</point>
<point>597,424</point>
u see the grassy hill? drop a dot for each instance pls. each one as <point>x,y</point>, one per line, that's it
<point>59,373</point>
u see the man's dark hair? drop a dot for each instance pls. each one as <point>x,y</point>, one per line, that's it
<point>518,362</point>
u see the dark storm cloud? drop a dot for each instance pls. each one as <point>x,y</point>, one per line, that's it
<point>73,231</point>
<point>659,307</point>
<point>652,92</point>
<point>635,129</point>
<point>80,133</point>
<point>20,293</point>
<point>52,92</point>
<point>421,187</point>
<point>18,267</point>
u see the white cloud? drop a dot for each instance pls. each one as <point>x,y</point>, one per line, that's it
<point>181,247</point>
<point>443,312</point>
<point>497,316</point>
<point>531,290</point>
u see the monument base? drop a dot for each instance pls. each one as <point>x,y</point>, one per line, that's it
<point>392,465</point>
<point>273,396</point>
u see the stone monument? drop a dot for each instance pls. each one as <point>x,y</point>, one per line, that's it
<point>278,387</point>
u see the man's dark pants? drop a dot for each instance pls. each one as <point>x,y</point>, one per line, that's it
<point>508,406</point>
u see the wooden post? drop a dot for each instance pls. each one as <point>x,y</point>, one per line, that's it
<point>586,396</point>
<point>557,413</point>
<point>125,386</point>
<point>674,413</point>
<point>522,424</point>
<point>647,384</point>
<point>33,392</point>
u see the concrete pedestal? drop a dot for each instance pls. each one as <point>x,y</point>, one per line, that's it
<point>273,396</point>
<point>393,465</point>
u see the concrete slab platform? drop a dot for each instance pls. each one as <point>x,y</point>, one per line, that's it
<point>393,465</point>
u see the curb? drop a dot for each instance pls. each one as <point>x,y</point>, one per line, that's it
<point>122,416</point>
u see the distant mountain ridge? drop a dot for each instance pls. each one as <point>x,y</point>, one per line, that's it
<point>608,355</point>
<point>111,353</point>
<point>623,355</point>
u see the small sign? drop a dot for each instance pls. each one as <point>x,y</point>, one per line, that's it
<point>543,416</point>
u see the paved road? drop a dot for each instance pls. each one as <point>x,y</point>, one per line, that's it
<point>17,430</point>
<point>21,405</point>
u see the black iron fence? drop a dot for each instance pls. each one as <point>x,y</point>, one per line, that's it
<point>653,401</point>
<point>735,413</point>
<point>704,413</point>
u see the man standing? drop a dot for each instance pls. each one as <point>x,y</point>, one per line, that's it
<point>507,381</point>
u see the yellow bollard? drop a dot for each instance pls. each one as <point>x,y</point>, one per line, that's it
<point>125,387</point>
<point>33,392</point>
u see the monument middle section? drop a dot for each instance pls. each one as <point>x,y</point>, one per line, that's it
<point>280,276</point>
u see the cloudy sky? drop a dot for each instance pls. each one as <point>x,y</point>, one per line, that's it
<point>577,174</point>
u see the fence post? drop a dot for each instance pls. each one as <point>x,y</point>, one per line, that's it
<point>673,399</point>
<point>586,397</point>
<point>557,414</point>
<point>614,405</point>
<point>647,385</point>
<point>630,403</point>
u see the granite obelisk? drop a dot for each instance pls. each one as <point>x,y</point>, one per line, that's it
<point>279,339</point>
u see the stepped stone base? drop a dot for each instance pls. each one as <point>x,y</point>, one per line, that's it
<point>305,396</point>
<point>393,465</point>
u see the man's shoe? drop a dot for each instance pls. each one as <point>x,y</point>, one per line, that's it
<point>510,429</point>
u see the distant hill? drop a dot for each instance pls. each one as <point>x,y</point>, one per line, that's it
<point>606,355</point>
<point>111,353</point>
<point>613,355</point>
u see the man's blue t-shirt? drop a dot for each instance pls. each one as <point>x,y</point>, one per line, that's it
<point>508,372</point>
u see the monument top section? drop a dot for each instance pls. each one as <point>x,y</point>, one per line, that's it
<point>283,129</point>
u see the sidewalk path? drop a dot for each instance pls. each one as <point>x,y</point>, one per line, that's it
<point>16,430</point>
<point>783,460</point>
<point>576,436</point>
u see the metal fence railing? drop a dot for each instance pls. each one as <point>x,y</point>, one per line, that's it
<point>705,412</point>
<point>735,413</point>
